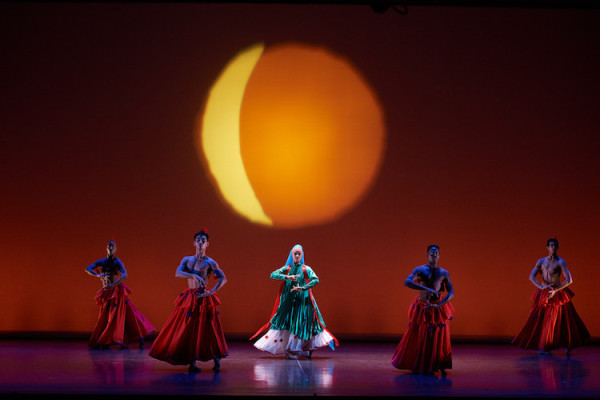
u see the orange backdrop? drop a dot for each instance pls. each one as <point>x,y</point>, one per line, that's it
<point>492,148</point>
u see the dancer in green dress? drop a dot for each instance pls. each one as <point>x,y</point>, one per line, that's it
<point>296,327</point>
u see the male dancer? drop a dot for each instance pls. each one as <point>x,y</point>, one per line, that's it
<point>553,322</point>
<point>425,347</point>
<point>193,331</point>
<point>119,322</point>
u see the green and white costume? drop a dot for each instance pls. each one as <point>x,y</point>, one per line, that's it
<point>296,325</point>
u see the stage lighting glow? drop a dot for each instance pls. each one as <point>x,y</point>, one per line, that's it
<point>293,135</point>
<point>220,138</point>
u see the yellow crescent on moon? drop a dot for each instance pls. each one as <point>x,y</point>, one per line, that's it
<point>221,135</point>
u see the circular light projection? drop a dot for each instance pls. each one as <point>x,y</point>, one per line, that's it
<point>292,135</point>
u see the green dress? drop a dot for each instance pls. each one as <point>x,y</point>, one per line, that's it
<point>297,311</point>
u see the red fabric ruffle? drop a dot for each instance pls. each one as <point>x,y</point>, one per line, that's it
<point>425,347</point>
<point>119,322</point>
<point>192,332</point>
<point>552,323</point>
<point>104,295</point>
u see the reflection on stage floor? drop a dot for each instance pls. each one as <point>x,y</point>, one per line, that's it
<point>45,367</point>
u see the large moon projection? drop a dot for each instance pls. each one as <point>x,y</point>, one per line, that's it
<point>292,135</point>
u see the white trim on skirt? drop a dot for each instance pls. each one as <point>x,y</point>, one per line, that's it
<point>283,341</point>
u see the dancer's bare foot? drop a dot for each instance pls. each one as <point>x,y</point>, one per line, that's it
<point>292,356</point>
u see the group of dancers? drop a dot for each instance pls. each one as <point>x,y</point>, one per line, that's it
<point>296,328</point>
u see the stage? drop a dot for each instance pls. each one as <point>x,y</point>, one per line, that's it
<point>33,367</point>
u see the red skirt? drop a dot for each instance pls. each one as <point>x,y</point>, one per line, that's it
<point>192,332</point>
<point>425,346</point>
<point>119,322</point>
<point>552,323</point>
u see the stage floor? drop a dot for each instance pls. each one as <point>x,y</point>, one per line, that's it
<point>47,367</point>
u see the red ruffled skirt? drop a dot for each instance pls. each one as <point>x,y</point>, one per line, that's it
<point>425,347</point>
<point>192,332</point>
<point>119,322</point>
<point>552,323</point>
